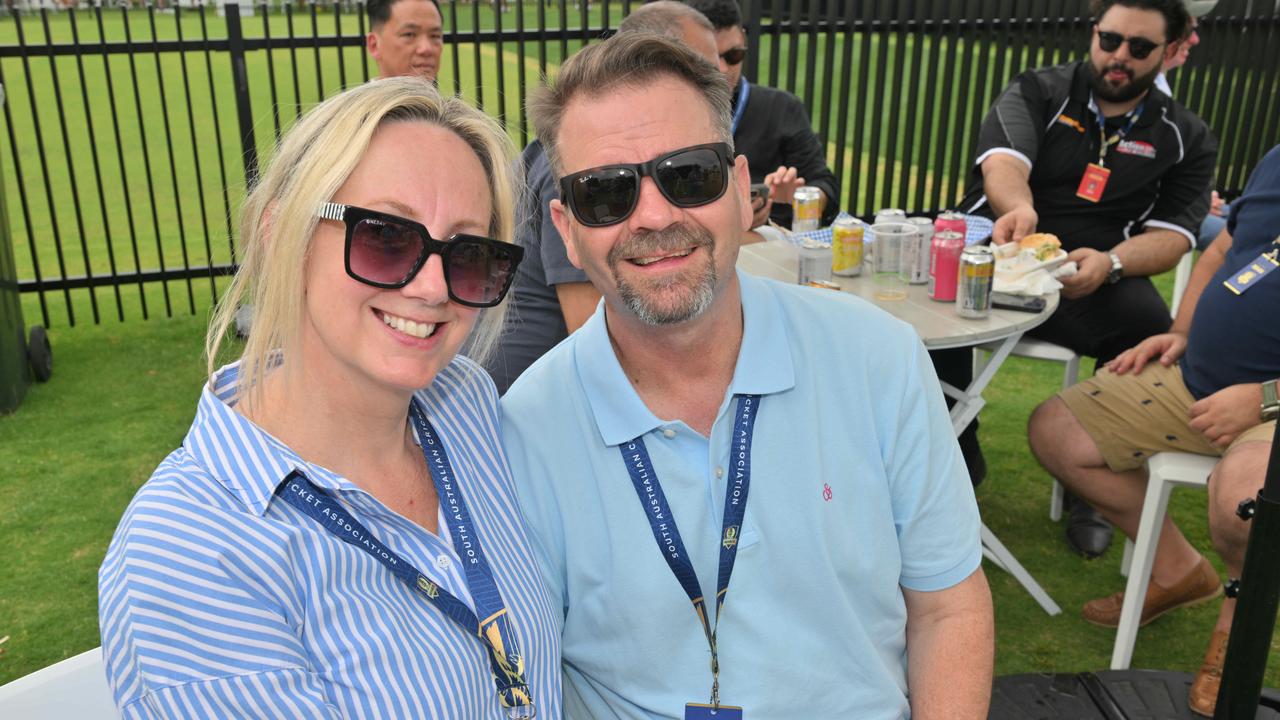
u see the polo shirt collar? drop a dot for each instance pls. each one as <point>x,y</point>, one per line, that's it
<point>244,458</point>
<point>764,366</point>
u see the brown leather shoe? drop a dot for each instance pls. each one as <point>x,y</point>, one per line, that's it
<point>1204,690</point>
<point>1200,585</point>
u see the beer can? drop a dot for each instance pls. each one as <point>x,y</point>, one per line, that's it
<point>951,222</point>
<point>847,236</point>
<point>973,291</point>
<point>806,209</point>
<point>944,265</point>
<point>890,215</point>
<point>815,263</point>
<point>913,267</point>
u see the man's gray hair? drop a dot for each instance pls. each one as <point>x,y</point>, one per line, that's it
<point>626,60</point>
<point>665,18</point>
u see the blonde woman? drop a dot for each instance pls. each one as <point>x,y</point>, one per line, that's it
<point>337,535</point>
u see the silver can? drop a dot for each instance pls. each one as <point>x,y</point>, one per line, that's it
<point>806,209</point>
<point>814,265</point>
<point>914,264</point>
<point>890,215</point>
<point>973,289</point>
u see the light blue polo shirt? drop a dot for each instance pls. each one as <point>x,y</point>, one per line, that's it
<point>857,488</point>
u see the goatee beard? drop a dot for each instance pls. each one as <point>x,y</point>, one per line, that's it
<point>1135,88</point>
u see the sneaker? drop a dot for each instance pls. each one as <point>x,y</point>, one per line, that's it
<point>1203,697</point>
<point>1199,586</point>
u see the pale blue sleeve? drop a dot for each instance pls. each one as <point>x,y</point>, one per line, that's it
<point>934,508</point>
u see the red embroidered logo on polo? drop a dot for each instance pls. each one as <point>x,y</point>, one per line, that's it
<point>1137,147</point>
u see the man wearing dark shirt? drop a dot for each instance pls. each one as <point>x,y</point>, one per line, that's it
<point>1208,386</point>
<point>1119,171</point>
<point>770,127</point>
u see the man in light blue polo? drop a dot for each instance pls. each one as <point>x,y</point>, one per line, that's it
<point>743,494</point>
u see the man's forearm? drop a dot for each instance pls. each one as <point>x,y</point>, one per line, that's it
<point>951,651</point>
<point>1006,182</point>
<point>1151,253</point>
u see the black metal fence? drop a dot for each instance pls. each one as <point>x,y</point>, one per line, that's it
<point>130,134</point>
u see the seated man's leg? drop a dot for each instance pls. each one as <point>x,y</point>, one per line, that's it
<point>1102,325</point>
<point>1094,438</point>
<point>1108,322</point>
<point>1238,476</point>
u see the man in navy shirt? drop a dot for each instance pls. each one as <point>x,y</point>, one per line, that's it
<point>1207,386</point>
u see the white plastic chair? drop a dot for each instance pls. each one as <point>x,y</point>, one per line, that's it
<point>1165,471</point>
<point>74,688</point>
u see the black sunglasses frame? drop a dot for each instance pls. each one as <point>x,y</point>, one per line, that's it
<point>646,169</point>
<point>739,52</point>
<point>1140,48</point>
<point>351,215</point>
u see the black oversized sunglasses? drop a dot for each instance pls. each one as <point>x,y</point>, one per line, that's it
<point>734,55</point>
<point>387,251</point>
<point>687,177</point>
<point>1139,47</point>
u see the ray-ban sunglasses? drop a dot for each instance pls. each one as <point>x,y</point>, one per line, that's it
<point>387,251</point>
<point>688,177</point>
<point>1139,47</point>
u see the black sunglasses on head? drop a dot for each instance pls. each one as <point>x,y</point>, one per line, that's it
<point>734,55</point>
<point>687,177</point>
<point>1139,47</point>
<point>387,251</point>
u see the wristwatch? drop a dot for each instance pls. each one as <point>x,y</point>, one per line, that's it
<point>1270,402</point>
<point>1117,270</point>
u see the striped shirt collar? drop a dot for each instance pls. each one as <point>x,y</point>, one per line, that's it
<point>241,456</point>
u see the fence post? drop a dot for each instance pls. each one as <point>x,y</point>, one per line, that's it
<point>751,15</point>
<point>240,87</point>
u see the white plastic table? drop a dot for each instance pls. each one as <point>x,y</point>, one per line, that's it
<point>940,328</point>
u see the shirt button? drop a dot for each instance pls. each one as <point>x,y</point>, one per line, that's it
<point>719,472</point>
<point>443,562</point>
<point>668,433</point>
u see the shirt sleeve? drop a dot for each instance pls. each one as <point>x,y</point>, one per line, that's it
<point>803,150</point>
<point>539,228</point>
<point>1185,191</point>
<point>194,621</point>
<point>1016,123</point>
<point>934,508</point>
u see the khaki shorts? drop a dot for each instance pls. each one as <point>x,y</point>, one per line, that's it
<point>1132,417</point>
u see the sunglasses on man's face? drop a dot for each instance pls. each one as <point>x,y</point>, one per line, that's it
<point>734,55</point>
<point>1139,47</point>
<point>387,251</point>
<point>687,177</point>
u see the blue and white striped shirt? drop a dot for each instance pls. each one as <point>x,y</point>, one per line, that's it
<point>216,599</point>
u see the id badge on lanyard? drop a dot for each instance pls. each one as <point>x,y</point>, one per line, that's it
<point>666,533</point>
<point>1256,269</point>
<point>1096,175</point>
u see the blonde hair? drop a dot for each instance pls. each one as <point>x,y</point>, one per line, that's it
<point>310,164</point>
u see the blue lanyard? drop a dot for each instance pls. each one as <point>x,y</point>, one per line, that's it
<point>1107,142</point>
<point>744,91</point>
<point>663,523</point>
<point>494,630</point>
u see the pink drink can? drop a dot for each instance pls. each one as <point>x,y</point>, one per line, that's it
<point>944,265</point>
<point>951,222</point>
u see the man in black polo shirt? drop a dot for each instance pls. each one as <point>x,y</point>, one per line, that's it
<point>770,127</point>
<point>1120,172</point>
